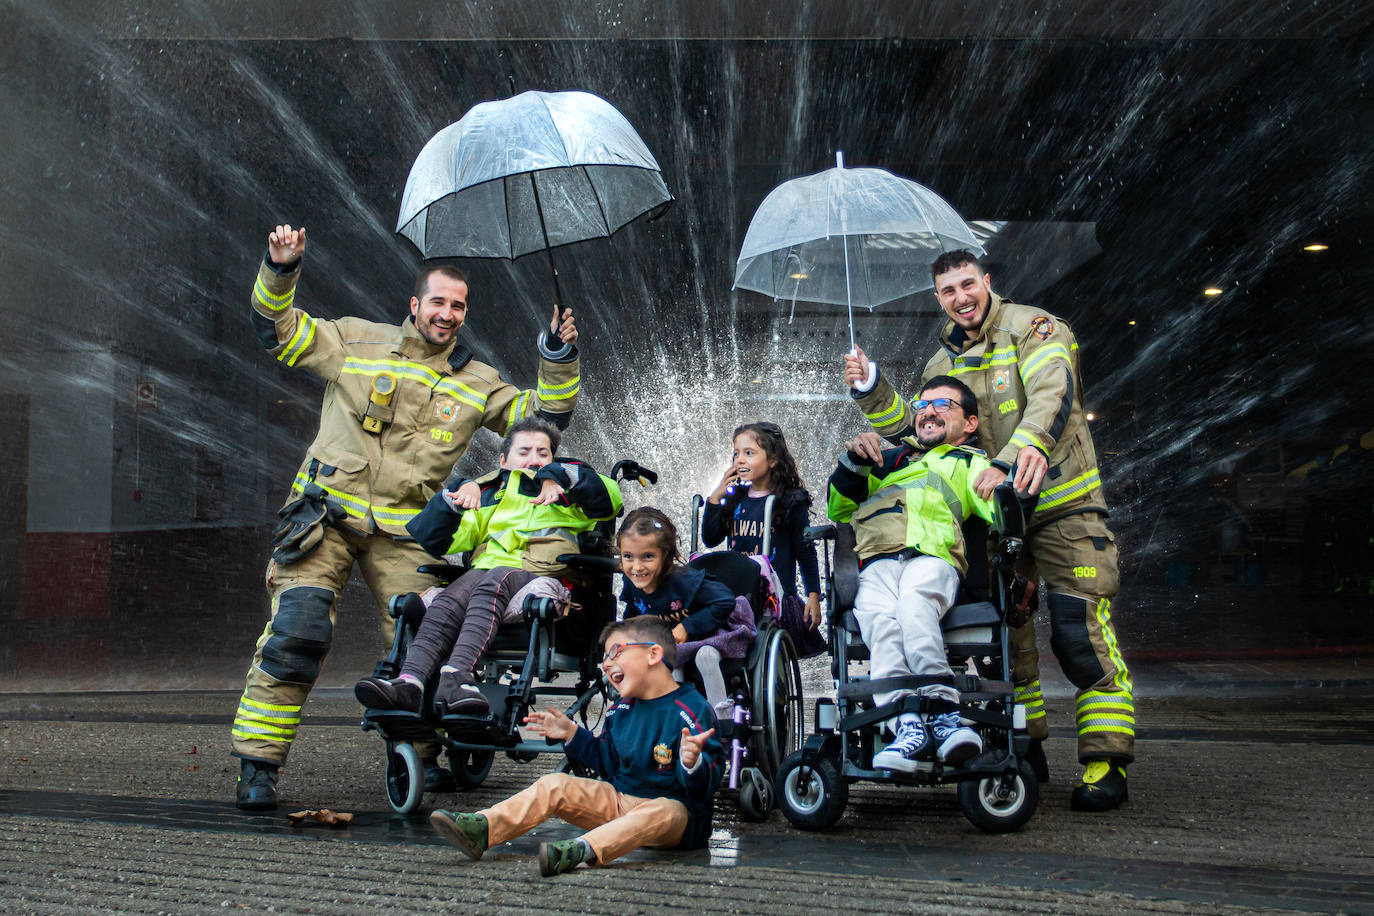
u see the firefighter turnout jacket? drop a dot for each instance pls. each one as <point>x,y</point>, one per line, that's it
<point>914,501</point>
<point>509,529</point>
<point>1023,366</point>
<point>435,398</point>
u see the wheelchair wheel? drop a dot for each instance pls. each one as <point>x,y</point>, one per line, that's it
<point>1000,804</point>
<point>811,795</point>
<point>470,768</point>
<point>405,778</point>
<point>777,702</point>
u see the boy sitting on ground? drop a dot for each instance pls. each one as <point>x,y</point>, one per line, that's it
<point>516,521</point>
<point>658,760</point>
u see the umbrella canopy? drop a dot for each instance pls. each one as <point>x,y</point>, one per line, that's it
<point>854,237</point>
<point>534,171</point>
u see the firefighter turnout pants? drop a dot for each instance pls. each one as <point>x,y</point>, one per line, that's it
<point>1076,557</point>
<point>293,645</point>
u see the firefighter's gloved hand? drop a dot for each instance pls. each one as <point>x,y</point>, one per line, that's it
<point>1023,592</point>
<point>301,529</point>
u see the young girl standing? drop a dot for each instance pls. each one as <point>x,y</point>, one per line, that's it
<point>695,604</point>
<point>761,465</point>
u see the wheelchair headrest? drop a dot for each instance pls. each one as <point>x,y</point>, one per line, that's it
<point>739,573</point>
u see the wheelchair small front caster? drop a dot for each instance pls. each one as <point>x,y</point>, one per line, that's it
<point>755,795</point>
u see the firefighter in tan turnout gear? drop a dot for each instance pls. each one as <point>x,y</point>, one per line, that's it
<point>1022,363</point>
<point>401,403</point>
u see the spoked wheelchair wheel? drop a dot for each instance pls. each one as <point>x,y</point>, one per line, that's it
<point>1000,804</point>
<point>470,768</point>
<point>811,794</point>
<point>405,778</point>
<point>777,702</point>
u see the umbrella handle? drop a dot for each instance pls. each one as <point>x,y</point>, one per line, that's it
<point>867,383</point>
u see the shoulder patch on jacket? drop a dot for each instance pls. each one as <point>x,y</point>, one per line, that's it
<point>1042,326</point>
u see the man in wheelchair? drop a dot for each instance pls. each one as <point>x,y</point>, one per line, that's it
<point>907,506</point>
<point>516,521</point>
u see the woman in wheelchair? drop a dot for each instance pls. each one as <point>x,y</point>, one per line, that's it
<point>516,521</point>
<point>699,607</point>
<point>907,506</point>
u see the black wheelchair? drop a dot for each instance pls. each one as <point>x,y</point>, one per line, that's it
<point>519,670</point>
<point>997,789</point>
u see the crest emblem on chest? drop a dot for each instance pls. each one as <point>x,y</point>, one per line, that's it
<point>446,411</point>
<point>1001,381</point>
<point>663,755</point>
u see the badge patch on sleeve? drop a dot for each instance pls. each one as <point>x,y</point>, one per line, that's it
<point>1042,326</point>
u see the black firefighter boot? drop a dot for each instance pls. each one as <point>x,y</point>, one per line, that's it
<point>1102,786</point>
<point>257,789</point>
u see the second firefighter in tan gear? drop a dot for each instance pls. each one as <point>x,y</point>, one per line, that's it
<point>1023,365</point>
<point>400,406</point>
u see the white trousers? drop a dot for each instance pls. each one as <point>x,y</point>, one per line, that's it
<point>899,606</point>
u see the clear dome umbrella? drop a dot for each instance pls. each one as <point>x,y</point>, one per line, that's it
<point>852,237</point>
<point>529,173</point>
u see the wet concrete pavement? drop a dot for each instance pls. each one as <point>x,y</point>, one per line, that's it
<point>1250,790</point>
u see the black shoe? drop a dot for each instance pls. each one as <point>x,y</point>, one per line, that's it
<point>459,696</point>
<point>1102,787</point>
<point>379,693</point>
<point>438,778</point>
<point>257,788</point>
<point>1035,756</point>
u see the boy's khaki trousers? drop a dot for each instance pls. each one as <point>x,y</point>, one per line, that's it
<point>615,822</point>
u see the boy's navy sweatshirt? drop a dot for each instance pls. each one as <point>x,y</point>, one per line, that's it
<point>692,597</point>
<point>638,752</point>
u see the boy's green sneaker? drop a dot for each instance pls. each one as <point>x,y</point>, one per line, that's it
<point>560,857</point>
<point>466,831</point>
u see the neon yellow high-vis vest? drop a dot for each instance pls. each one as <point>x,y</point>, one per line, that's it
<point>917,500</point>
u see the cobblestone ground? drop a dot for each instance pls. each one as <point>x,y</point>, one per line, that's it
<point>123,803</point>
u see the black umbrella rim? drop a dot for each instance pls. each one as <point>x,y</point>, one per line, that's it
<point>654,213</point>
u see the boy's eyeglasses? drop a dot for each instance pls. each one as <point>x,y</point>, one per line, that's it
<point>941,405</point>
<point>616,648</point>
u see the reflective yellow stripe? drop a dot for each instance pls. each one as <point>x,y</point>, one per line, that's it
<point>559,392</point>
<point>1115,729</point>
<point>1031,698</point>
<point>891,415</point>
<point>1057,496</point>
<point>305,333</point>
<point>1104,620</point>
<point>1042,358</point>
<point>394,516</point>
<point>246,732</point>
<point>1022,439</point>
<point>472,398</point>
<point>352,505</point>
<point>1001,356</point>
<point>518,408</point>
<point>275,302</point>
<point>244,701</point>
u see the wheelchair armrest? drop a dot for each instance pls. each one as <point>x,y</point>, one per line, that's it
<point>408,608</point>
<point>816,533</point>
<point>846,569</point>
<point>589,562</point>
<point>446,573</point>
<point>633,470</point>
<point>538,608</point>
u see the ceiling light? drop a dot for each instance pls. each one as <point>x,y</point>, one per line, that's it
<point>1091,416</point>
<point>1131,322</point>
<point>1212,291</point>
<point>1315,246</point>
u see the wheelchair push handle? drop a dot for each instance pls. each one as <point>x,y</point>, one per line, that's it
<point>633,470</point>
<point>815,533</point>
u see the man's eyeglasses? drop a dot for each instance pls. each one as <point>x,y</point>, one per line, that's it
<point>616,648</point>
<point>941,405</point>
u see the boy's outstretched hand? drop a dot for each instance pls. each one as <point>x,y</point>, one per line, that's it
<point>552,724</point>
<point>692,744</point>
